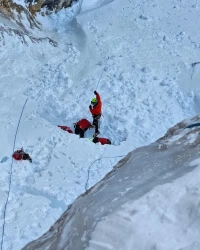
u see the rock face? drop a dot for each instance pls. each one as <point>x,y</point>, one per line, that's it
<point>20,17</point>
<point>11,13</point>
<point>45,6</point>
<point>50,5</point>
<point>135,175</point>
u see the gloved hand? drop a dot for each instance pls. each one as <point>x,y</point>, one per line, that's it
<point>95,92</point>
<point>90,106</point>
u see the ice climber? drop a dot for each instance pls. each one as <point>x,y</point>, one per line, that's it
<point>95,109</point>
<point>81,127</point>
<point>103,141</point>
<point>21,155</point>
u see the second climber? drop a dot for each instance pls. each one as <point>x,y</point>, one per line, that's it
<point>95,109</point>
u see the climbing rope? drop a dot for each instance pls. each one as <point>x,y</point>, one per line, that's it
<point>93,163</point>
<point>102,72</point>
<point>10,179</point>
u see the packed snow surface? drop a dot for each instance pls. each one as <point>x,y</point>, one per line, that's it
<point>141,56</point>
<point>140,204</point>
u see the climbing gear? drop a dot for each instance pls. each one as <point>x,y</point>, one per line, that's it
<point>66,128</point>
<point>89,168</point>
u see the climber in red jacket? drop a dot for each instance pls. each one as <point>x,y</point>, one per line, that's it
<point>103,141</point>
<point>95,109</point>
<point>21,155</point>
<point>81,127</point>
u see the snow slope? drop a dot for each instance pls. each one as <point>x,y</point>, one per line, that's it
<point>140,89</point>
<point>141,204</point>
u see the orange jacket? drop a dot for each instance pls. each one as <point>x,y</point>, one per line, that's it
<point>97,109</point>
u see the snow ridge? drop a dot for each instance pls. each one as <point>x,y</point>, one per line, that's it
<point>114,212</point>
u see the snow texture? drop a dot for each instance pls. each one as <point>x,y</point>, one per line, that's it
<point>142,57</point>
<point>146,202</point>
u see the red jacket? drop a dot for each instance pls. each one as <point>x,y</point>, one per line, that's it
<point>97,109</point>
<point>66,129</point>
<point>84,124</point>
<point>103,141</point>
<point>18,155</point>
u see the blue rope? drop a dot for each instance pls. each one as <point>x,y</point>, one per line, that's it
<point>10,180</point>
<point>102,73</point>
<point>93,163</point>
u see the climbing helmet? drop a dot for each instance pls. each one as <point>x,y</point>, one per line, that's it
<point>94,101</point>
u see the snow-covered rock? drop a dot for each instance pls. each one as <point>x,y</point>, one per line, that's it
<point>29,19</point>
<point>37,5</point>
<point>106,216</point>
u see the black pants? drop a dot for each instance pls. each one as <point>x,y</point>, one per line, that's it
<point>108,141</point>
<point>96,122</point>
<point>82,132</point>
<point>26,157</point>
<point>79,131</point>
